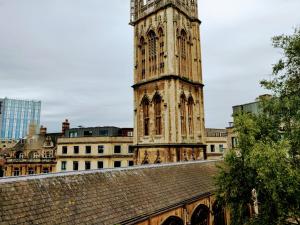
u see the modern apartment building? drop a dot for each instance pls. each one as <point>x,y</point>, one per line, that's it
<point>95,148</point>
<point>253,108</point>
<point>16,116</point>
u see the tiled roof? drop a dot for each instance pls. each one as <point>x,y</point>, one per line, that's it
<point>114,196</point>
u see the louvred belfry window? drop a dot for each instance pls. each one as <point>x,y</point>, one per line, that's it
<point>183,114</point>
<point>157,109</point>
<point>146,120</point>
<point>143,57</point>
<point>152,53</point>
<point>183,53</point>
<point>190,61</point>
<point>161,64</point>
<point>190,115</point>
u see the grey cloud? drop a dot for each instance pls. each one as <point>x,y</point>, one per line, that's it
<point>77,56</point>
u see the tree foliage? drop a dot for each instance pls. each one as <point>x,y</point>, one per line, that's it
<point>268,155</point>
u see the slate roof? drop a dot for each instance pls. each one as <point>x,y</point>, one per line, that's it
<point>113,196</point>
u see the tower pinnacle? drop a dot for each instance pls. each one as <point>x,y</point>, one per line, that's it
<point>142,8</point>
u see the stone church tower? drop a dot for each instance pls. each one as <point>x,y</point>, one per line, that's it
<point>168,87</point>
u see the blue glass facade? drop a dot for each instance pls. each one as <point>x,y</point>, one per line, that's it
<point>15,117</point>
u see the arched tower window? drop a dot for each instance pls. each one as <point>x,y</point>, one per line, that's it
<point>190,114</point>
<point>157,109</point>
<point>152,53</point>
<point>183,52</point>
<point>143,57</point>
<point>183,114</point>
<point>161,63</point>
<point>146,119</point>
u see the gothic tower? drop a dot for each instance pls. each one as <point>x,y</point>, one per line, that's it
<point>168,87</point>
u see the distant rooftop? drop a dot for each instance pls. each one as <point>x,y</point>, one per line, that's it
<point>215,132</point>
<point>106,131</point>
<point>17,99</point>
<point>252,107</point>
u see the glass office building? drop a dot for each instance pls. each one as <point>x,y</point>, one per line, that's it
<point>249,108</point>
<point>16,116</point>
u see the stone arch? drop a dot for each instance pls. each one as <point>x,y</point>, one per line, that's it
<point>145,98</point>
<point>151,28</point>
<point>160,28</point>
<point>200,215</point>
<point>219,214</point>
<point>173,220</point>
<point>183,96</point>
<point>184,32</point>
<point>157,95</point>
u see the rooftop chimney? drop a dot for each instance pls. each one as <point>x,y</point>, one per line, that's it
<point>65,126</point>
<point>32,129</point>
<point>43,131</point>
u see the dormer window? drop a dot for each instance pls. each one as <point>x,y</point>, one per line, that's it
<point>36,155</point>
<point>48,154</point>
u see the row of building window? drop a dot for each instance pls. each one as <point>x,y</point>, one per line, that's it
<point>89,133</point>
<point>213,148</point>
<point>88,149</point>
<point>154,46</point>
<point>87,165</point>
<point>35,155</point>
<point>30,171</point>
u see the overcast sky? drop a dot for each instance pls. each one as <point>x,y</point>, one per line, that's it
<point>76,56</point>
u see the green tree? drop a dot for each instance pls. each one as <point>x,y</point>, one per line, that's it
<point>268,155</point>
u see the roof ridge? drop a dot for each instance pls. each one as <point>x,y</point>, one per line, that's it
<point>73,173</point>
